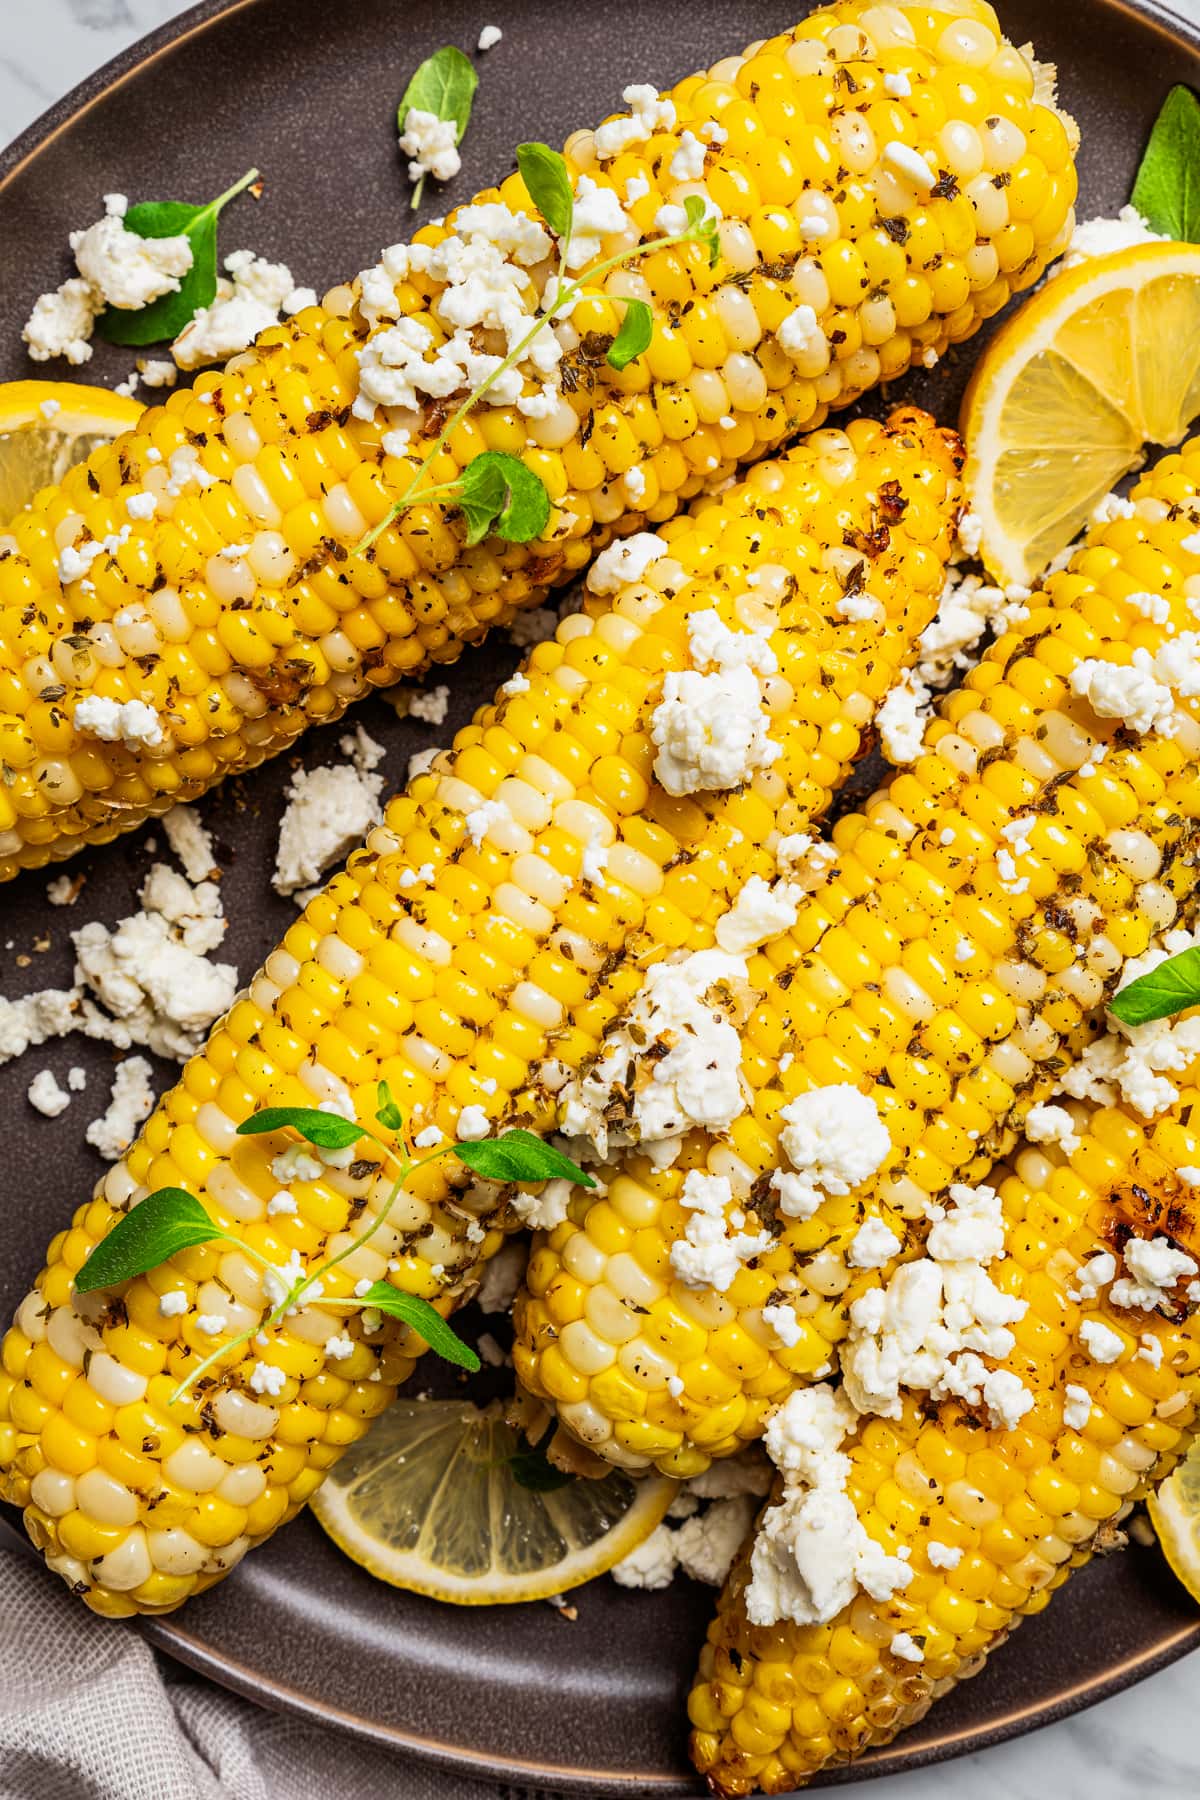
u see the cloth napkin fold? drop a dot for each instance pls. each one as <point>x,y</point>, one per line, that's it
<point>90,1712</point>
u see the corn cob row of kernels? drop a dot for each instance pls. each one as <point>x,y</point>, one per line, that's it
<point>948,970</point>
<point>237,614</point>
<point>458,951</point>
<point>1007,1514</point>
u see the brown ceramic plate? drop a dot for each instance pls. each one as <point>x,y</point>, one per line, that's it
<point>307,90</point>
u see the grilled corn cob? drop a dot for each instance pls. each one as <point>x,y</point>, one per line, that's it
<point>461,948</point>
<point>995,1520</point>
<point>886,177</point>
<point>980,912</point>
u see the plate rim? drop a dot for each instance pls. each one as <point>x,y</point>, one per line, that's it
<point>183,1646</point>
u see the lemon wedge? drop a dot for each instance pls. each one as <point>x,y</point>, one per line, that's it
<point>1105,359</point>
<point>429,1501</point>
<point>48,426</point>
<point>1175,1515</point>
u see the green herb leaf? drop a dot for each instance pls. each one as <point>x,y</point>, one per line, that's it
<point>389,1114</point>
<point>520,1156</point>
<point>533,1469</point>
<point>424,1320</point>
<point>167,316</point>
<point>444,85</point>
<point>1171,988</point>
<point>637,328</point>
<point>168,1220</point>
<point>545,175</point>
<point>329,1131</point>
<point>498,493</point>
<point>702,227</point>
<point>1167,189</point>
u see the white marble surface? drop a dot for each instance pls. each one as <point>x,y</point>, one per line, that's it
<point>1140,1746</point>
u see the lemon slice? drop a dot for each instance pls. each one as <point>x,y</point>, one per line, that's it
<point>48,426</point>
<point>428,1501</point>
<point>1175,1514</point>
<point>1105,359</point>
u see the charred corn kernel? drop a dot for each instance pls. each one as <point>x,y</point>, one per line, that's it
<point>1013,1511</point>
<point>927,971</point>
<point>497,835</point>
<point>237,614</point>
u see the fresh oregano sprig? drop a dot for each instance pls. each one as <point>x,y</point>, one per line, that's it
<point>497,499</point>
<point>166,317</point>
<point>443,85</point>
<point>171,1219</point>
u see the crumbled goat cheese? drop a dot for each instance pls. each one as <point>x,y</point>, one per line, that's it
<point>943,1556</point>
<point>156,372</point>
<point>173,1304</point>
<point>430,705</point>
<point>687,164</point>
<point>473,1124</point>
<point>901,721</point>
<point>542,1212</point>
<point>265,1378</point>
<point>191,843</point>
<point>651,1564</point>
<point>1101,1343</point>
<point>694,1006</point>
<point>132,1100</point>
<point>245,304</point>
<point>763,910</point>
<point>907,1648</point>
<point>431,144</point>
<point>625,561</point>
<point>811,1553</point>
<point>710,729</point>
<point>339,1347</point>
<point>329,812</point>
<point>480,820</point>
<point>281,1202</point>
<point>784,1323</point>
<point>747,1473</point>
<point>707,1543</point>
<point>118,721</point>
<point>62,323</point>
<point>897,85</point>
<point>1047,1124</point>
<point>1099,236</point>
<point>647,114</point>
<point>834,1139</point>
<point>1093,1276</point>
<point>1077,1408</point>
<point>1130,693</point>
<point>969,606</point>
<point>928,1328</point>
<point>63,890</point>
<point>426,1139</point>
<point>709,1256</point>
<point>489,37</point>
<point>45,1094</point>
<point>873,1246</point>
<point>1150,1350</point>
<point>76,1079</point>
<point>1154,1267</point>
<point>128,271</point>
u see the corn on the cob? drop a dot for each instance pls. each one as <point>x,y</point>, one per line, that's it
<point>462,947</point>
<point>887,176</point>
<point>957,958</point>
<point>1007,1514</point>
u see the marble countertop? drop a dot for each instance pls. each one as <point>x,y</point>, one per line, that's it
<point>1139,1744</point>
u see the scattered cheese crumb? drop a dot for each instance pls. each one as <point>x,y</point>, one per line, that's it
<point>45,1094</point>
<point>131,1102</point>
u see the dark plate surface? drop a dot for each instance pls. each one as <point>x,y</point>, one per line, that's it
<point>307,90</point>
